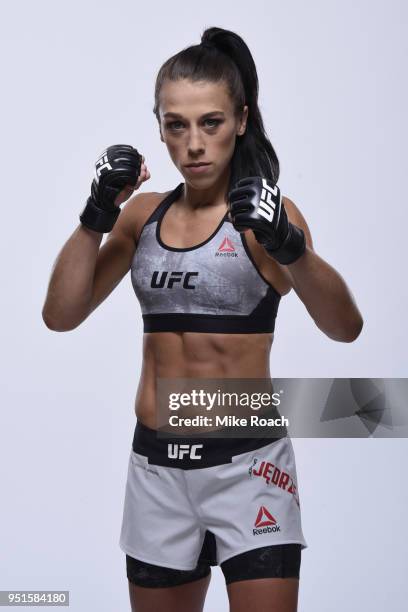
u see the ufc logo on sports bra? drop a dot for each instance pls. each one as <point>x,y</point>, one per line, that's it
<point>268,201</point>
<point>178,451</point>
<point>168,279</point>
<point>102,164</point>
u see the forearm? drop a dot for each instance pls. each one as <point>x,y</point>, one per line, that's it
<point>326,297</point>
<point>70,287</point>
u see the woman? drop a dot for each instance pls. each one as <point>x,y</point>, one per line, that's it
<point>209,262</point>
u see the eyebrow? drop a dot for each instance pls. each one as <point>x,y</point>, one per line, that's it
<point>178,116</point>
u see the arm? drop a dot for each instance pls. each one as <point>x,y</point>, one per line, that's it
<point>83,274</point>
<point>321,288</point>
<point>256,203</point>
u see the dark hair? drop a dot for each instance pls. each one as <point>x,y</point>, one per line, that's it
<point>222,55</point>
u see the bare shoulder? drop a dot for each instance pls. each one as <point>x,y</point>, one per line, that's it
<point>296,217</point>
<point>136,212</point>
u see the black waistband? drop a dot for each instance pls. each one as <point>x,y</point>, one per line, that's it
<point>191,452</point>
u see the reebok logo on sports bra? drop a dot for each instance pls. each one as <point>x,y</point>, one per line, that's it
<point>226,249</point>
<point>214,286</point>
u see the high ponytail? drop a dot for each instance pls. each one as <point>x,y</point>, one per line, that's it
<point>222,55</point>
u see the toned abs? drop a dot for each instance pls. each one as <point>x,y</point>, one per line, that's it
<point>192,354</point>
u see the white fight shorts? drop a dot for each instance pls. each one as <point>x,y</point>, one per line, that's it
<point>243,490</point>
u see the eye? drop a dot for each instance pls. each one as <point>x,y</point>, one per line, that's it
<point>171,124</point>
<point>214,123</point>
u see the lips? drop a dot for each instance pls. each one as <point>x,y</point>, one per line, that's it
<point>197,165</point>
<point>200,169</point>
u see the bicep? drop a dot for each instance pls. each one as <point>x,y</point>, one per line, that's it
<point>115,255</point>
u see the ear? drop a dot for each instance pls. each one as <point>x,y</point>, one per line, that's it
<point>244,117</point>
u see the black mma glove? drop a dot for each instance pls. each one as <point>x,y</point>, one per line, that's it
<point>117,166</point>
<point>256,203</point>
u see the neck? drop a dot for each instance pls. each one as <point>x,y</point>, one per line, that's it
<point>214,195</point>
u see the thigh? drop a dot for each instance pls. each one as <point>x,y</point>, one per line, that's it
<point>153,587</point>
<point>264,595</point>
<point>187,597</point>
<point>264,579</point>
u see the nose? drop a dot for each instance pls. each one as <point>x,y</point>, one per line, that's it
<point>195,143</point>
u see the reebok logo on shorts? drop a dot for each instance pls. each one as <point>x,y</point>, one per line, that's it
<point>265,522</point>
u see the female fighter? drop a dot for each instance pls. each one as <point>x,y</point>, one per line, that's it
<point>209,261</point>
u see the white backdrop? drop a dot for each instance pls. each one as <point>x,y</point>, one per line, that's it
<point>79,76</point>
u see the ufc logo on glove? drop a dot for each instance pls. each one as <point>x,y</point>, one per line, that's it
<point>268,201</point>
<point>102,164</point>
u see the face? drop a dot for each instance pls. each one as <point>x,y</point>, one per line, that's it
<point>197,123</point>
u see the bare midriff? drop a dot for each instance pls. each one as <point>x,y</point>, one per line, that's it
<point>197,355</point>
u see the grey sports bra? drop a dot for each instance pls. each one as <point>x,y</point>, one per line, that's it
<point>214,286</point>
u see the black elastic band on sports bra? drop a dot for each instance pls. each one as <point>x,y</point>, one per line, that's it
<point>217,324</point>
